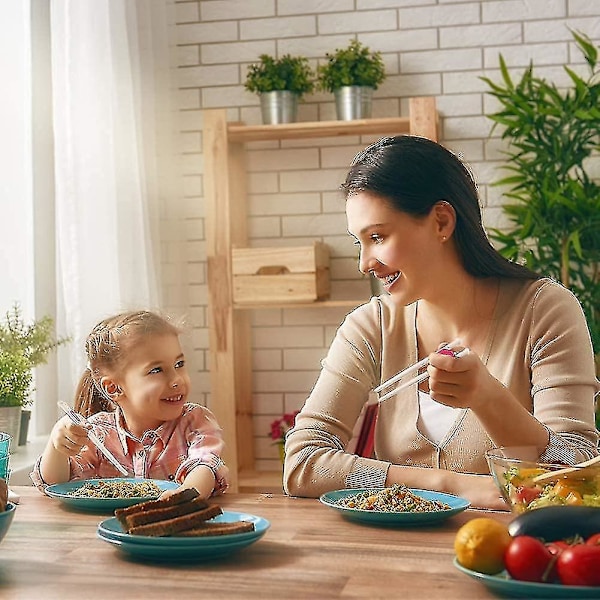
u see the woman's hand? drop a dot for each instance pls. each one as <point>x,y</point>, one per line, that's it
<point>479,490</point>
<point>67,437</point>
<point>462,382</point>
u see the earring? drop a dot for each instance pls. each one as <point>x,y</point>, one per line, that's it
<point>444,238</point>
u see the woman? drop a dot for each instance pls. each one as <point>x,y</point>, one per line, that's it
<point>527,374</point>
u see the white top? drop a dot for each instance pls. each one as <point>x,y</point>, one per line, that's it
<point>435,419</point>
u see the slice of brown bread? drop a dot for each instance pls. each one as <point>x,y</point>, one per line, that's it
<point>143,517</point>
<point>207,529</point>
<point>184,495</point>
<point>177,524</point>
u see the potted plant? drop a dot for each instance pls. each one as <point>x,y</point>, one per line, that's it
<point>352,74</point>
<point>22,348</point>
<point>280,83</point>
<point>554,215</point>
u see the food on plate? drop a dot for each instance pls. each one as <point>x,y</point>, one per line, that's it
<point>528,559</point>
<point>183,513</point>
<point>524,493</point>
<point>3,495</point>
<point>552,523</point>
<point>144,517</point>
<point>574,561</point>
<point>579,564</point>
<point>397,498</point>
<point>480,545</point>
<point>117,489</point>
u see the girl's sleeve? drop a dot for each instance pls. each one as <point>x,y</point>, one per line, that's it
<point>205,447</point>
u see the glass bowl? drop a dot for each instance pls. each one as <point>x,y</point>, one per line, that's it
<point>516,470</point>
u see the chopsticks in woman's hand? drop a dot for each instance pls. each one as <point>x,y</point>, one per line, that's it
<point>447,349</point>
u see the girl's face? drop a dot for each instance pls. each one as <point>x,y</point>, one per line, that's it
<point>155,383</point>
<point>398,248</point>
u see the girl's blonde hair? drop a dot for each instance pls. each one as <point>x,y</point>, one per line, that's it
<point>108,348</point>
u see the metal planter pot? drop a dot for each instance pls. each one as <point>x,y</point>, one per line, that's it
<point>280,106</point>
<point>10,422</point>
<point>353,102</point>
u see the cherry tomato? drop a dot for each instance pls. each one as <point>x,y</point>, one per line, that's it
<point>580,565</point>
<point>593,540</point>
<point>557,547</point>
<point>526,495</point>
<point>528,559</point>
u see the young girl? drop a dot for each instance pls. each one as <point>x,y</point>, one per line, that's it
<point>134,393</point>
<point>527,379</point>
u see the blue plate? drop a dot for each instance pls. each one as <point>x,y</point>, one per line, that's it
<point>407,519</point>
<point>184,548</point>
<point>505,585</point>
<point>64,491</point>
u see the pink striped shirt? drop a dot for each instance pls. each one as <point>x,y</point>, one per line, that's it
<point>168,452</point>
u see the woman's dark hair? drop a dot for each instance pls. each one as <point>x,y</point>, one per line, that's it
<point>412,174</point>
<point>108,347</point>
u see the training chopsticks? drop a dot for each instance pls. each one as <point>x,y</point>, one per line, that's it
<point>416,367</point>
<point>81,420</point>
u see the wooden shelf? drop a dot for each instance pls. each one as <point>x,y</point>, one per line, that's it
<point>266,482</point>
<point>315,129</point>
<point>226,227</point>
<point>315,304</point>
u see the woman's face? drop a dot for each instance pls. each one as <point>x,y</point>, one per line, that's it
<point>398,248</point>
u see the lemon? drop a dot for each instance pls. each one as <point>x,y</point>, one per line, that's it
<point>480,545</point>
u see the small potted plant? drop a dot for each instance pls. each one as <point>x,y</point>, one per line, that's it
<point>22,348</point>
<point>352,74</point>
<point>279,429</point>
<point>280,83</point>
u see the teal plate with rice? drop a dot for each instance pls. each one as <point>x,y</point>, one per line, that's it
<point>68,492</point>
<point>411,518</point>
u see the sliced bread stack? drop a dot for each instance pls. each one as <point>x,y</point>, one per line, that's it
<point>182,514</point>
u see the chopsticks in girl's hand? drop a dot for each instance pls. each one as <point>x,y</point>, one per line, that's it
<point>80,420</point>
<point>416,367</point>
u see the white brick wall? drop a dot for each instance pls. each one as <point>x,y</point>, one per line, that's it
<point>430,47</point>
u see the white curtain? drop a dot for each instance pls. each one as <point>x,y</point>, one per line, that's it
<point>110,65</point>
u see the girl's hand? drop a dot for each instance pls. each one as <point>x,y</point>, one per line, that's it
<point>462,382</point>
<point>67,437</point>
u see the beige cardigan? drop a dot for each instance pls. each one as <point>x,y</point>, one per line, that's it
<point>539,347</point>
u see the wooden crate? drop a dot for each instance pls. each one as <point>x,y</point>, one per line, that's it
<point>282,274</point>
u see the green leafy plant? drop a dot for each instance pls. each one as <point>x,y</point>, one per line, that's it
<point>553,137</point>
<point>291,73</point>
<point>353,65</point>
<point>22,348</point>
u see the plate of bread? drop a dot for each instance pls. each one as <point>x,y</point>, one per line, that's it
<point>106,495</point>
<point>180,527</point>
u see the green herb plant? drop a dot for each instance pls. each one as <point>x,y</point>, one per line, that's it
<point>553,140</point>
<point>353,65</point>
<point>22,348</point>
<point>291,73</point>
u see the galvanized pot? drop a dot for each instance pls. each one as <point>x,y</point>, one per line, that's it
<point>280,106</point>
<point>353,102</point>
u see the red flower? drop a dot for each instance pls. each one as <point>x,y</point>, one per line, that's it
<point>279,427</point>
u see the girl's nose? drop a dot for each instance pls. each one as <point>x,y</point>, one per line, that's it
<point>176,380</point>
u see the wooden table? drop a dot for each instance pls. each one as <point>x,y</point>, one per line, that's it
<point>310,551</point>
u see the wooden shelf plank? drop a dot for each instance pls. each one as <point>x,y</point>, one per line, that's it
<point>315,304</point>
<point>237,132</point>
